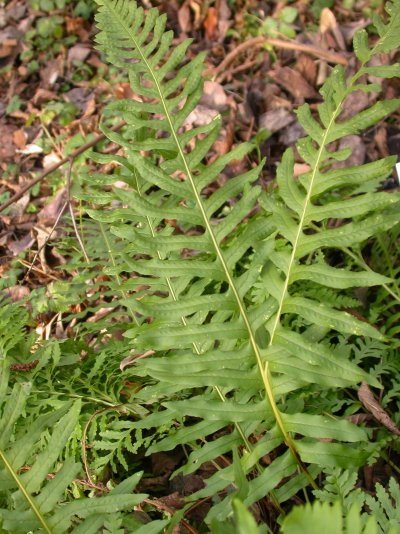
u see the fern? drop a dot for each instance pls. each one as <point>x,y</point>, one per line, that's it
<point>329,518</point>
<point>35,483</point>
<point>232,316</point>
<point>382,511</point>
<point>214,294</point>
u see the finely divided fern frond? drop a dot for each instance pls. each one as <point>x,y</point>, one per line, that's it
<point>34,480</point>
<point>197,272</point>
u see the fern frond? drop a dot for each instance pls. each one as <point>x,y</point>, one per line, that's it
<point>34,481</point>
<point>199,263</point>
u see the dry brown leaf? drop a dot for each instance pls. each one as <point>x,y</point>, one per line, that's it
<point>224,19</point>
<point>49,214</point>
<point>300,168</point>
<point>7,146</point>
<point>123,90</point>
<point>293,82</point>
<point>43,95</point>
<point>78,52</point>
<point>307,67</point>
<point>51,72</point>
<point>214,96</point>
<point>354,103</point>
<point>372,406</point>
<point>210,23</point>
<point>358,151</point>
<point>276,119</point>
<point>200,116</point>
<point>80,97</point>
<point>7,47</point>
<point>19,246</point>
<point>291,134</point>
<point>196,8</point>
<point>380,138</point>
<point>18,208</point>
<point>19,138</point>
<point>16,293</point>
<point>327,22</point>
<point>133,358</point>
<point>184,21</point>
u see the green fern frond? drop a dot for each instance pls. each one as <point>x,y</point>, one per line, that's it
<point>34,480</point>
<point>382,510</point>
<point>208,331</point>
<point>327,518</point>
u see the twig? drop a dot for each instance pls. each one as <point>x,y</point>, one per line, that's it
<point>157,503</point>
<point>31,266</point>
<point>71,211</point>
<point>55,166</point>
<point>332,57</point>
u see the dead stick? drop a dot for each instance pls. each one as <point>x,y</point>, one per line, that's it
<point>55,166</point>
<point>332,57</point>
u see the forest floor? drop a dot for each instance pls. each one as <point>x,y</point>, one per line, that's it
<point>263,60</point>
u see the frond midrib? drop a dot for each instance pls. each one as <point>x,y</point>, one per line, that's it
<point>242,309</point>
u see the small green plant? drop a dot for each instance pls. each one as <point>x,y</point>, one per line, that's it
<point>282,24</point>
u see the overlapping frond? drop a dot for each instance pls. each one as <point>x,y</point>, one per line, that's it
<point>212,289</point>
<point>34,479</point>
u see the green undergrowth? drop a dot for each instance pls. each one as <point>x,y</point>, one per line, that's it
<point>230,328</point>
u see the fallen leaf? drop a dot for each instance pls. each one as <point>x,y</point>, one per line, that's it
<point>293,82</point>
<point>31,149</point>
<point>19,138</point>
<point>210,23</point>
<point>48,215</point>
<point>300,168</point>
<point>224,19</point>
<point>51,159</point>
<point>133,358</point>
<point>200,116</point>
<point>225,139</point>
<point>7,146</point>
<point>18,207</point>
<point>358,151</point>
<point>380,139</point>
<point>327,22</point>
<point>372,406</point>
<point>276,119</point>
<point>9,41</point>
<point>122,91</point>
<point>90,106</point>
<point>16,247</point>
<point>51,72</point>
<point>184,18</point>
<point>307,67</point>
<point>195,7</point>
<point>16,293</point>
<point>214,96</point>
<point>80,97</point>
<point>353,104</point>
<point>291,134</point>
<point>78,52</point>
<point>74,25</point>
<point>43,95</point>
<point>42,238</point>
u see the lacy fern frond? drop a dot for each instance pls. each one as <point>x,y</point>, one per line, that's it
<point>382,510</point>
<point>222,337</point>
<point>330,519</point>
<point>35,482</point>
